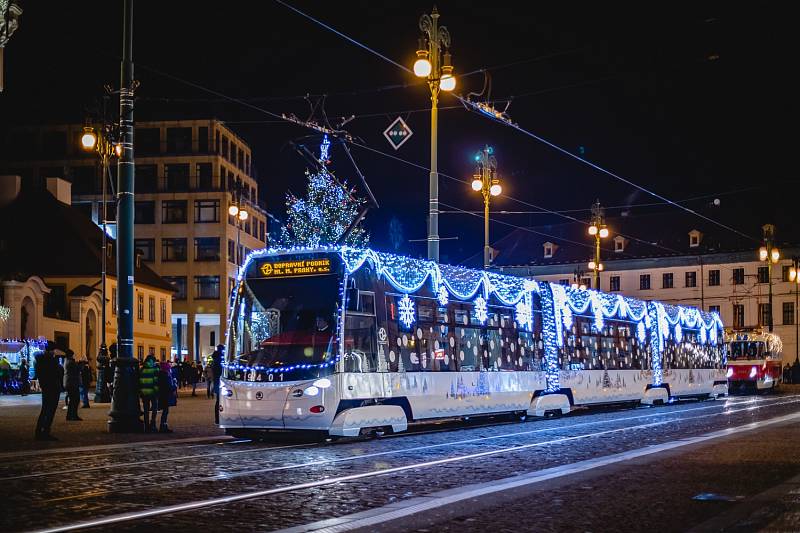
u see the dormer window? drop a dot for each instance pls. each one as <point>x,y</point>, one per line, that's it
<point>694,238</point>
<point>549,250</point>
<point>619,243</point>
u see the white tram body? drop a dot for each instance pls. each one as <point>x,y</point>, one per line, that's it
<point>347,340</point>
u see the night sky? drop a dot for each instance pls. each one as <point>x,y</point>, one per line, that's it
<point>687,101</point>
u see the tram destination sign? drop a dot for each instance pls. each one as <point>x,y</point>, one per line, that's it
<point>293,269</point>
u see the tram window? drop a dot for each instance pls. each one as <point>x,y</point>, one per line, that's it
<point>425,311</point>
<point>359,344</point>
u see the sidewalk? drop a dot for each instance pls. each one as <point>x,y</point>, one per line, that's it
<point>192,417</point>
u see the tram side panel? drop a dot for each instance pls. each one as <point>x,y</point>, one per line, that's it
<point>691,368</point>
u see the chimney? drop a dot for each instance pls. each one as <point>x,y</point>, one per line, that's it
<point>9,189</point>
<point>61,189</point>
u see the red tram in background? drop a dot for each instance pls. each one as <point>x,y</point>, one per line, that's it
<point>754,359</point>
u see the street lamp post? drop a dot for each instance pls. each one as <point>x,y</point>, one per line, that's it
<point>125,402</point>
<point>577,279</point>
<point>598,230</point>
<point>433,63</point>
<point>771,255</point>
<point>105,146</point>
<point>241,215</point>
<point>794,276</point>
<point>485,181</point>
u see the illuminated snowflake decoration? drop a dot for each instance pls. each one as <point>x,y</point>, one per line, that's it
<point>524,315</point>
<point>406,306</point>
<point>641,333</point>
<point>481,312</point>
<point>442,296</point>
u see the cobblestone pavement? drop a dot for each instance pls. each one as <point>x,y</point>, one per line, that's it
<point>299,482</point>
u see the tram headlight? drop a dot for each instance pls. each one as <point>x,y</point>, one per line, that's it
<point>730,372</point>
<point>753,371</point>
<point>322,383</point>
<point>311,391</point>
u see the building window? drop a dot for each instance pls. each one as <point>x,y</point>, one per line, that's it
<point>146,178</point>
<point>691,279</point>
<point>231,286</point>
<point>225,153</point>
<point>763,274</point>
<point>231,251</point>
<point>148,141</point>
<point>788,313</point>
<point>644,282</point>
<point>713,278</point>
<point>206,287</point>
<point>177,175</point>
<point>151,308</point>
<point>140,351</point>
<point>140,307</point>
<point>144,213</point>
<point>114,301</point>
<point>146,248</point>
<point>262,231</point>
<point>173,212</point>
<point>564,282</point>
<point>785,272</point>
<point>163,314</point>
<point>206,210</point>
<point>202,139</point>
<point>179,283</point>
<point>764,314</point>
<point>204,176</point>
<point>179,140</point>
<point>206,249</point>
<point>548,250</point>
<point>173,249</point>
<point>587,282</point>
<point>713,309</point>
<point>738,315</point>
<point>738,276</point>
<point>667,280</point>
<point>163,353</point>
<point>614,284</point>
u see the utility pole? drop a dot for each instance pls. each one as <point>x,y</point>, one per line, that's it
<point>125,403</point>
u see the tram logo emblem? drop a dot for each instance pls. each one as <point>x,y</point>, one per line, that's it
<point>259,395</point>
<point>382,336</point>
<point>266,269</point>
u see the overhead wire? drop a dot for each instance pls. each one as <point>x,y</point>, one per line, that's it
<point>531,134</point>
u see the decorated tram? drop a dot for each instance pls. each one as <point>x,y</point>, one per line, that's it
<point>350,341</point>
<point>754,359</point>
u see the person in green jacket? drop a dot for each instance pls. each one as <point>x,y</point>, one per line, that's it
<point>148,391</point>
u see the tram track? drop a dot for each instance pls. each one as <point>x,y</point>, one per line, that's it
<point>675,416</point>
<point>224,500</point>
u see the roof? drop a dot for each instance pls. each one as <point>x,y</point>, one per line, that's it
<point>647,235</point>
<point>41,236</point>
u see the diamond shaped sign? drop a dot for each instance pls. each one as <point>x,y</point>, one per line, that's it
<point>398,133</point>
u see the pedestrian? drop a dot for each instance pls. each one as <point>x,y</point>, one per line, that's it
<point>49,375</point>
<point>5,374</point>
<point>216,369</point>
<point>72,382</point>
<point>86,382</point>
<point>148,391</point>
<point>24,378</point>
<point>194,377</point>
<point>208,375</point>
<point>112,368</point>
<point>167,395</point>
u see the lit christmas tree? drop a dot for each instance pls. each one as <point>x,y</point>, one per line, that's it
<point>324,214</point>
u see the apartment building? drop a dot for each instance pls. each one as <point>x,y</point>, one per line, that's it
<point>675,262</point>
<point>188,173</point>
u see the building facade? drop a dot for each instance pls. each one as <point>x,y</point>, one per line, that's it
<point>734,283</point>
<point>188,174</point>
<point>53,290</point>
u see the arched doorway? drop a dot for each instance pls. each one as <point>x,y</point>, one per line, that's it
<point>90,348</point>
<point>27,318</point>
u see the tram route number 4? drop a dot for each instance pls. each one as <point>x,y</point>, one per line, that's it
<point>398,133</point>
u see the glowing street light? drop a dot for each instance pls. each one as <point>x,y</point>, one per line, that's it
<point>485,181</point>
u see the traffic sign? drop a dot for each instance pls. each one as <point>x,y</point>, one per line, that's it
<point>398,133</point>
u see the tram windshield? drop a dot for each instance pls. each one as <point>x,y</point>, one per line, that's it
<point>282,323</point>
<point>747,350</point>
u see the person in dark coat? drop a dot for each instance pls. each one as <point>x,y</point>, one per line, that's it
<point>72,383</point>
<point>216,370</point>
<point>86,381</point>
<point>49,374</point>
<point>167,394</point>
<point>194,377</point>
<point>24,378</point>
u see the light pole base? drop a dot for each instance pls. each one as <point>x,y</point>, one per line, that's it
<point>125,403</point>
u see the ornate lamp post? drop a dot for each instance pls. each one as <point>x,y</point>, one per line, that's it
<point>106,147</point>
<point>241,215</point>
<point>771,255</point>
<point>485,181</point>
<point>794,276</point>
<point>598,230</point>
<point>577,279</point>
<point>433,63</point>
